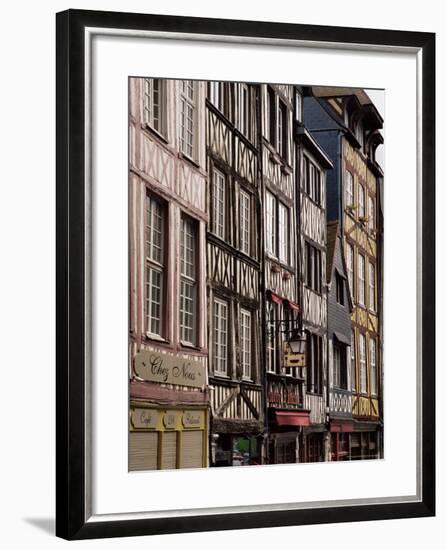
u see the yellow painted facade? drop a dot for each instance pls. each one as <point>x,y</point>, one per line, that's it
<point>362,236</point>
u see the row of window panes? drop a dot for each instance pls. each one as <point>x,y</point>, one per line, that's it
<point>277,228</point>
<point>217,93</point>
<point>363,365</point>
<point>276,129</point>
<point>221,338</point>
<point>156,272</point>
<point>313,267</point>
<point>350,200</point>
<point>155,111</point>
<point>312,181</point>
<point>361,278</point>
<point>219,214</point>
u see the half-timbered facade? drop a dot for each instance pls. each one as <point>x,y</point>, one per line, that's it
<point>313,164</point>
<point>347,125</point>
<point>286,413</point>
<point>233,274</point>
<point>339,330</point>
<point>169,409</point>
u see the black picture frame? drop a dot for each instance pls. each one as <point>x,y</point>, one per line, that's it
<point>71,520</point>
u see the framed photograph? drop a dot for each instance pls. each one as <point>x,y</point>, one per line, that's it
<point>245,274</point>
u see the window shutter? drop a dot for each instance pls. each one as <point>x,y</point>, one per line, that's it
<point>143,451</point>
<point>192,449</point>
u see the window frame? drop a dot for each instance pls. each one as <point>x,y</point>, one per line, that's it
<point>218,176</point>
<point>340,289</point>
<point>245,222</point>
<point>314,362</point>
<point>157,266</point>
<point>271,223</point>
<point>313,267</point>
<point>283,233</point>
<point>349,192</point>
<point>372,287</point>
<point>189,101</point>
<point>361,201</point>
<point>373,367</point>
<point>245,332</point>
<point>351,268</point>
<point>191,280</point>
<point>340,376</point>
<point>149,105</point>
<point>217,358</point>
<point>361,280</point>
<point>363,385</point>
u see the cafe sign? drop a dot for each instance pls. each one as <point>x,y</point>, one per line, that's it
<point>168,369</point>
<point>144,418</point>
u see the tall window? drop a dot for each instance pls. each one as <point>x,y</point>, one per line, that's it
<point>282,133</point>
<point>340,366</point>
<point>373,370</point>
<point>339,289</point>
<point>154,104</point>
<point>271,221</point>
<point>372,290</point>
<point>353,361</point>
<point>313,267</point>
<point>188,281</point>
<point>218,203</point>
<point>361,279</point>
<point>245,342</point>
<point>298,109</point>
<point>220,336</point>
<point>371,213</point>
<point>187,120</point>
<point>362,365</point>
<point>155,223</point>
<point>271,349</point>
<point>314,363</point>
<point>361,201</point>
<point>217,95</point>
<point>350,259</point>
<point>349,196</point>
<point>312,181</point>
<point>245,222</point>
<point>283,233</point>
<point>271,122</point>
<point>244,110</point>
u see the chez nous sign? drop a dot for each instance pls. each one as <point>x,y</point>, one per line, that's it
<point>167,369</point>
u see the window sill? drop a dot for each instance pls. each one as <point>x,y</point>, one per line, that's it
<point>188,345</point>
<point>221,375</point>
<point>156,133</point>
<point>156,338</point>
<point>188,159</point>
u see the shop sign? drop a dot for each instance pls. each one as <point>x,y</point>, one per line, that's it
<point>193,419</point>
<point>291,360</point>
<point>168,369</point>
<point>144,418</point>
<point>170,420</point>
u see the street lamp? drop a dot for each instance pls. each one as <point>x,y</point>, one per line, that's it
<point>297,342</point>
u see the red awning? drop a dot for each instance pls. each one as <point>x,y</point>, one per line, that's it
<point>276,298</point>
<point>341,426</point>
<point>292,305</point>
<point>292,418</point>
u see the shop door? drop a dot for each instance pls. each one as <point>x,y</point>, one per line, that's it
<point>192,449</point>
<point>143,451</point>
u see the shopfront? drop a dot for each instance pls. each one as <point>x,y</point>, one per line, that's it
<point>167,438</point>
